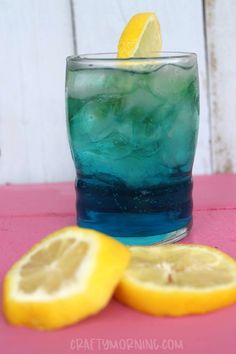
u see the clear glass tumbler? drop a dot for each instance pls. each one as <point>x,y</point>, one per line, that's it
<point>132,127</point>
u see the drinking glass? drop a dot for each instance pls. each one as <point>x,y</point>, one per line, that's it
<point>132,127</point>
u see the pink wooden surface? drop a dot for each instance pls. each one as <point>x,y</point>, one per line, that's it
<point>27,213</point>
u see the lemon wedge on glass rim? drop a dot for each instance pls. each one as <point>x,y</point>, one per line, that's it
<point>66,277</point>
<point>141,37</point>
<point>175,280</point>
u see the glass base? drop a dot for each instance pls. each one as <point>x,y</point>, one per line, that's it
<point>145,240</point>
<point>159,214</point>
<point>169,237</point>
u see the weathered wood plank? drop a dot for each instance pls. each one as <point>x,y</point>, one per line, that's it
<point>221,34</point>
<point>99,24</point>
<point>35,38</point>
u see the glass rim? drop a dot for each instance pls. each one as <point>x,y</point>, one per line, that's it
<point>165,55</point>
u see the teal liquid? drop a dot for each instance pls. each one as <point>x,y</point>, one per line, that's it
<point>133,137</point>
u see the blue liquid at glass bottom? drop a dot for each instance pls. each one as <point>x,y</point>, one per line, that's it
<point>135,216</point>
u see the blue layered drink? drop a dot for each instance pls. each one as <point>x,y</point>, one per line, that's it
<point>132,127</point>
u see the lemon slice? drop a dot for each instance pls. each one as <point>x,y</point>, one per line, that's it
<point>178,280</point>
<point>141,37</point>
<point>68,276</point>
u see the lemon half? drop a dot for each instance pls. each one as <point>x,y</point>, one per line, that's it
<point>178,280</point>
<point>66,277</point>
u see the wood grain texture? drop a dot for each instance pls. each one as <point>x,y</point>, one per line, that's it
<point>99,24</point>
<point>35,37</point>
<point>221,36</point>
<point>214,225</point>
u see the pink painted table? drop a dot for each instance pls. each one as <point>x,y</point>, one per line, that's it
<point>27,213</point>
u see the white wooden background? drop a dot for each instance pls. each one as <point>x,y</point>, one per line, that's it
<point>37,35</point>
